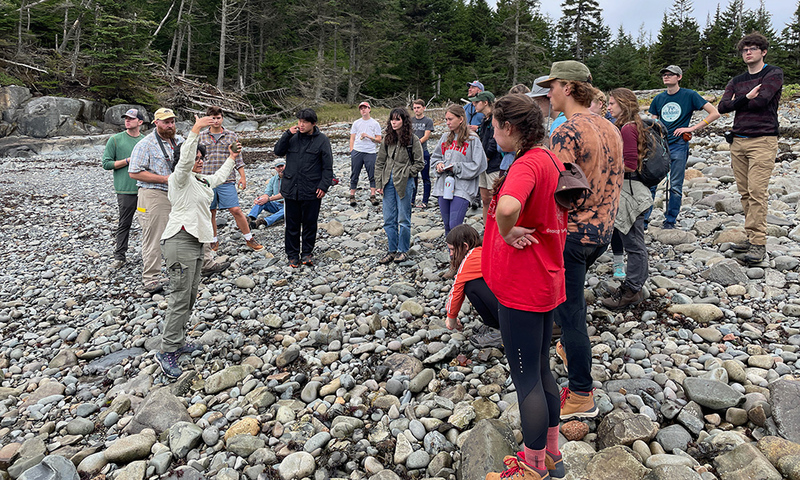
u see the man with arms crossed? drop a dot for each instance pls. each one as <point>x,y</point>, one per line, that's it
<point>675,108</point>
<point>754,96</point>
<point>117,157</point>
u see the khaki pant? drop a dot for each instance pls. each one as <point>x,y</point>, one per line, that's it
<point>184,256</point>
<point>752,160</point>
<point>153,208</point>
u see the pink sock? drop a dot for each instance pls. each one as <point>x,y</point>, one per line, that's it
<point>552,440</point>
<point>535,458</point>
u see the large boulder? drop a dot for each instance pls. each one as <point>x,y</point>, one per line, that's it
<point>159,411</point>
<point>92,111</point>
<point>623,428</point>
<point>11,98</point>
<point>785,408</point>
<point>484,449</point>
<point>52,467</point>
<point>615,463</point>
<point>68,107</point>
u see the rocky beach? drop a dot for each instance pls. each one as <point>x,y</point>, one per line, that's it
<point>345,370</point>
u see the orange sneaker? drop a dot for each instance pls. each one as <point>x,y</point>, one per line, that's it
<point>252,243</point>
<point>574,405</point>
<point>562,354</point>
<point>518,470</point>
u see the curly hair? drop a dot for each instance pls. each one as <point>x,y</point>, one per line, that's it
<point>458,236</point>
<point>523,113</point>
<point>462,133</point>
<point>629,105</point>
<point>519,88</point>
<point>600,98</point>
<point>404,136</point>
<point>753,39</point>
<point>581,92</point>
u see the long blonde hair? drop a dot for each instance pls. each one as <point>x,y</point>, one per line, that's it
<point>629,105</point>
<point>463,132</point>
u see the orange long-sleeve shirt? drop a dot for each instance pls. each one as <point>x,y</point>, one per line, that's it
<point>470,269</point>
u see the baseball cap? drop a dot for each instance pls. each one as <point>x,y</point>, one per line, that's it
<point>566,70</point>
<point>537,90</point>
<point>164,114</point>
<point>364,104</point>
<point>280,163</point>
<point>475,84</point>
<point>672,69</point>
<point>133,113</point>
<point>485,96</point>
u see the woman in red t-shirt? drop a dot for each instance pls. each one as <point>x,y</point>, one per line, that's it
<point>523,265</point>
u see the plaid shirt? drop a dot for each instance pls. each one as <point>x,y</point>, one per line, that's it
<point>147,156</point>
<point>217,152</point>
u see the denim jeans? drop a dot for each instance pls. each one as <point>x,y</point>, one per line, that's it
<point>275,208</point>
<point>397,216</point>
<point>571,315</point>
<point>679,154</point>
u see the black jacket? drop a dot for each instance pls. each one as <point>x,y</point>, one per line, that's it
<point>309,164</point>
<point>494,156</point>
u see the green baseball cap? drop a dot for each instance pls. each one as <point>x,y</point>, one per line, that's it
<point>484,96</point>
<point>567,70</point>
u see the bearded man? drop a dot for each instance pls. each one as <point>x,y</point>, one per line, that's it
<point>151,165</point>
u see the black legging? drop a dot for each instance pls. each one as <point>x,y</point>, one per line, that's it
<point>526,337</point>
<point>483,300</point>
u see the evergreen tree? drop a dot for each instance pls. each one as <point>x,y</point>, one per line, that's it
<point>621,66</point>
<point>525,52</point>
<point>581,32</point>
<point>679,41</point>
<point>790,53</point>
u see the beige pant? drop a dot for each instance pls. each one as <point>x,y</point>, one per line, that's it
<point>752,160</point>
<point>153,209</point>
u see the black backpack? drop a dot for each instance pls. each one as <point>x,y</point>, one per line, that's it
<point>655,165</point>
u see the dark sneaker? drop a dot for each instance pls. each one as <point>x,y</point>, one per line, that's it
<point>189,348</point>
<point>743,247</point>
<point>168,361</point>
<point>623,297</point>
<point>755,254</point>
<point>294,263</point>
<point>251,222</point>
<point>153,287</point>
<point>491,338</point>
<point>388,258</point>
<point>260,222</point>
<point>374,200</point>
<point>352,199</point>
<point>308,260</point>
<point>215,267</point>
<point>577,405</point>
<point>668,226</point>
<point>400,257</point>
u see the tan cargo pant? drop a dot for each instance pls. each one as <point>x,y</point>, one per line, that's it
<point>752,160</point>
<point>153,209</point>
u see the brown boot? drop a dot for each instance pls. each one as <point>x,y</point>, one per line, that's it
<point>755,254</point>
<point>623,297</point>
<point>517,470</point>
<point>577,405</point>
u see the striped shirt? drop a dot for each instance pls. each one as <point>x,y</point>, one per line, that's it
<point>217,152</point>
<point>147,156</point>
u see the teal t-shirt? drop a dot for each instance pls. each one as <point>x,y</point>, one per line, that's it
<point>675,111</point>
<point>119,147</point>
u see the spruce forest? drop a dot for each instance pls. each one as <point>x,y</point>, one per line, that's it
<point>348,50</point>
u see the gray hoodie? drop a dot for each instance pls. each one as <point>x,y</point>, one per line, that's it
<point>468,164</point>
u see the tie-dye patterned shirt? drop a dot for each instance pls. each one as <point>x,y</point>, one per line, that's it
<point>595,145</point>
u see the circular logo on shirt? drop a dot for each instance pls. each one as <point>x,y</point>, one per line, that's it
<point>670,112</point>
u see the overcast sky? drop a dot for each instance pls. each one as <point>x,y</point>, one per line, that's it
<point>631,15</point>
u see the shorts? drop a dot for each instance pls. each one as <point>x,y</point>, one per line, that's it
<point>225,197</point>
<point>486,180</point>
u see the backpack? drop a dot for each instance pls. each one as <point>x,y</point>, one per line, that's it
<point>654,167</point>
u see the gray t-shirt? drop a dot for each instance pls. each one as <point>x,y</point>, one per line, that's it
<point>419,125</point>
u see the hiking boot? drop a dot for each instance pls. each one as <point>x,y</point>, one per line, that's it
<point>154,286</point>
<point>388,258</point>
<point>214,246</point>
<point>577,405</point>
<point>553,462</point>
<point>215,267</point>
<point>374,200</point>
<point>294,262</point>
<point>189,348</point>
<point>490,338</point>
<point>261,222</point>
<point>307,260</point>
<point>743,247</point>
<point>623,297</point>
<point>619,270</point>
<point>518,470</point>
<point>755,254</point>
<point>400,257</point>
<point>562,354</point>
<point>252,243</point>
<point>168,361</point>
<point>352,200</point>
<point>117,264</point>
<point>251,222</point>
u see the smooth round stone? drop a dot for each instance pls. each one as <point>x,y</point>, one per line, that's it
<point>80,426</point>
<point>111,419</point>
<point>86,409</point>
<point>418,459</point>
<point>417,429</point>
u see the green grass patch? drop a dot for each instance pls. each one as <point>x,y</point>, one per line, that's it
<point>6,79</point>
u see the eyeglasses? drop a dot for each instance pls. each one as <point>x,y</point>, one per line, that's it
<point>750,49</point>
<point>668,74</point>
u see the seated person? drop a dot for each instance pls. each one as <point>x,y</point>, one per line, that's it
<point>464,243</point>
<point>271,201</point>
